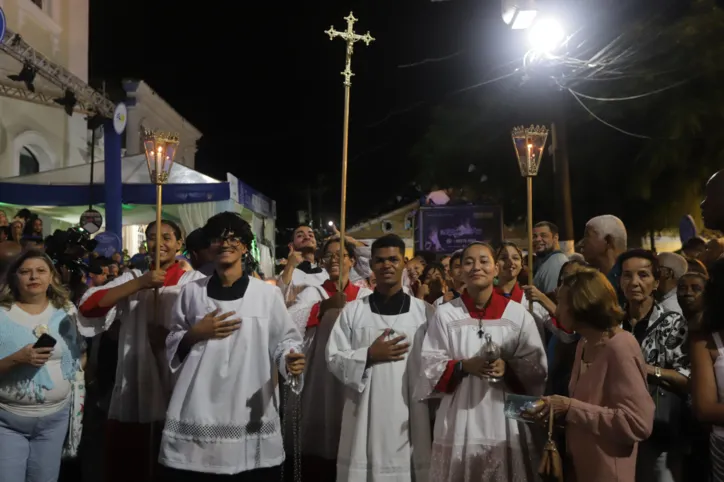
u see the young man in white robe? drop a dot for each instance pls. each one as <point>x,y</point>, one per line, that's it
<point>143,381</point>
<point>315,312</point>
<point>230,332</point>
<point>473,440</point>
<point>374,349</point>
<point>302,271</point>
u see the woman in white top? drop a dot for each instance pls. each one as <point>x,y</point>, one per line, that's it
<point>35,383</point>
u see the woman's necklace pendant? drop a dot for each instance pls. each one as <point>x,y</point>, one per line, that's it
<point>40,330</point>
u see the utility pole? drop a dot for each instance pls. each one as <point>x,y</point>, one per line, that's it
<point>564,210</point>
<point>310,217</point>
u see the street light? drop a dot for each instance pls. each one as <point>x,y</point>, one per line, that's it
<point>519,14</point>
<point>546,35</point>
<point>529,143</point>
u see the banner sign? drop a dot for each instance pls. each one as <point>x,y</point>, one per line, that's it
<point>250,198</point>
<point>446,229</point>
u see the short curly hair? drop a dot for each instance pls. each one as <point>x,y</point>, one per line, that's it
<point>226,222</point>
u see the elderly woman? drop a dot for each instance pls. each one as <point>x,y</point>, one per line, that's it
<point>663,337</point>
<point>35,382</point>
<point>609,410</point>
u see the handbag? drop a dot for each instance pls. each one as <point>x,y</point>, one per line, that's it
<point>669,404</point>
<point>551,465</point>
<point>75,425</point>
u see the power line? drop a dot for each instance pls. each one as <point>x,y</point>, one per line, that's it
<point>430,60</point>
<point>608,124</point>
<point>632,97</point>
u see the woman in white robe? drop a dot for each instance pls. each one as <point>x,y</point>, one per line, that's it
<point>374,349</point>
<point>472,438</point>
<point>223,417</point>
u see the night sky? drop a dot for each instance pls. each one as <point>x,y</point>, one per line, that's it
<point>261,81</point>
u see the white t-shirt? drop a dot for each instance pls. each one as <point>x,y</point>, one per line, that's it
<point>56,398</point>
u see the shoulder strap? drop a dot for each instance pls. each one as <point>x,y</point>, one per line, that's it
<point>719,345</point>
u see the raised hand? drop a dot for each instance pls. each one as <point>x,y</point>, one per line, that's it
<point>294,258</point>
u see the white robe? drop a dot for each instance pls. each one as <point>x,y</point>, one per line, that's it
<point>385,430</point>
<point>323,397</point>
<point>300,282</point>
<point>143,382</point>
<point>473,440</point>
<point>224,416</point>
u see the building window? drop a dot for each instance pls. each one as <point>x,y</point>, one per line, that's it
<point>28,162</point>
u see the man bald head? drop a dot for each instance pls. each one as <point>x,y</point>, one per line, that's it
<point>712,207</point>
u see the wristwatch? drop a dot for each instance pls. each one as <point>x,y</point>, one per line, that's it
<point>458,370</point>
<point>657,372</point>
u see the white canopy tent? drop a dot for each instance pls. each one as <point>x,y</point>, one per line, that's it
<point>190,215</point>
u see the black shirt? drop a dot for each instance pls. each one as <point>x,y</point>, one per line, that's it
<point>639,330</point>
<point>236,291</point>
<point>394,305</point>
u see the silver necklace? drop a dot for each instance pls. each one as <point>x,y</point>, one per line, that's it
<point>377,312</point>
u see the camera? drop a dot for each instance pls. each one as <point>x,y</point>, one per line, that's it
<point>68,248</point>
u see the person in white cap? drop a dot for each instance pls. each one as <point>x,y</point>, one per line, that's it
<point>673,266</point>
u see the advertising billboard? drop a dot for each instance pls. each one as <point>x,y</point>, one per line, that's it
<point>445,229</point>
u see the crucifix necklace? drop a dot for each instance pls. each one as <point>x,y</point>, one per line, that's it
<point>480,328</point>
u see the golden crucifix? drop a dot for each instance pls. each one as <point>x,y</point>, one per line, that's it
<point>350,37</point>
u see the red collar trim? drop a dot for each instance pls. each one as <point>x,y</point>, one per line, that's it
<point>173,274</point>
<point>516,294</point>
<point>350,290</point>
<point>492,311</point>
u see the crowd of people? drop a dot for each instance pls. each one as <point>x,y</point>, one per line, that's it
<point>357,364</point>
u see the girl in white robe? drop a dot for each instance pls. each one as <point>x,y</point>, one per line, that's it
<point>143,381</point>
<point>473,440</point>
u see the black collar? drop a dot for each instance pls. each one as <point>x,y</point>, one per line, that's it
<point>394,305</point>
<point>306,267</point>
<point>236,291</point>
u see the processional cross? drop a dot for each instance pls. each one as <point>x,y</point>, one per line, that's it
<point>350,37</point>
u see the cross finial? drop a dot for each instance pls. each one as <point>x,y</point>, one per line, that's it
<point>350,37</point>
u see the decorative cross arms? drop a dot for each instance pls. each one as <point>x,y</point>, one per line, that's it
<point>350,37</point>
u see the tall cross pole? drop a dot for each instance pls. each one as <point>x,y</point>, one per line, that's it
<point>350,37</point>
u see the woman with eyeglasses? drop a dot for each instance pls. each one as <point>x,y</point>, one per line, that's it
<point>40,356</point>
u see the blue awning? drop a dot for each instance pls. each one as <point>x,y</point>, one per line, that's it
<point>79,195</point>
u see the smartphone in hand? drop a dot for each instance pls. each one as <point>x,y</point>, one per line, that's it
<point>45,341</point>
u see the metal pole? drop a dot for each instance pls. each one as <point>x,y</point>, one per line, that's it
<point>343,214</point>
<point>92,163</point>
<point>529,183</point>
<point>157,316</point>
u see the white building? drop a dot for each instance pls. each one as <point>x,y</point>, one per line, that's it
<point>147,109</point>
<point>35,137</point>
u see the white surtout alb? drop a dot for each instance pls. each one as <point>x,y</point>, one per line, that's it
<point>385,430</point>
<point>224,412</point>
<point>143,381</point>
<point>473,440</point>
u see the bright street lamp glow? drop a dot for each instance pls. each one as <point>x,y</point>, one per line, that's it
<point>331,223</point>
<point>546,35</point>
